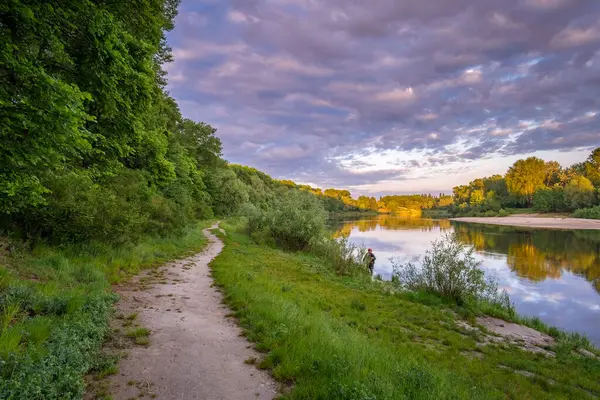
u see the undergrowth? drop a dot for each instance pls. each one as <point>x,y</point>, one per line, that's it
<point>589,213</point>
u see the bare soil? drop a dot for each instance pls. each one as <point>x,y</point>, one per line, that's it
<point>535,221</point>
<point>195,351</point>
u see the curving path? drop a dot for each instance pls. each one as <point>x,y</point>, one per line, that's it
<point>195,351</point>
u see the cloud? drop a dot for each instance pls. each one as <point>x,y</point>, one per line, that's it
<point>310,89</point>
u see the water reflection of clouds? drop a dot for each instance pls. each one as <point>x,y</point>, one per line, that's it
<point>566,299</point>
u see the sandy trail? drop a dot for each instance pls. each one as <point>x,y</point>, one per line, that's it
<point>195,351</point>
<point>535,221</point>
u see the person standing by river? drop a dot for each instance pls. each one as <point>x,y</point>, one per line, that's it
<point>370,257</point>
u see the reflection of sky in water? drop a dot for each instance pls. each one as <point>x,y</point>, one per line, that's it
<point>569,302</point>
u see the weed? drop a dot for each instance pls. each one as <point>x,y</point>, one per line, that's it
<point>139,332</point>
<point>142,341</point>
<point>139,336</point>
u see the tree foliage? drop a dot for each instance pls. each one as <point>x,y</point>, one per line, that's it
<point>530,183</point>
<point>525,177</point>
<point>579,193</point>
<point>591,168</point>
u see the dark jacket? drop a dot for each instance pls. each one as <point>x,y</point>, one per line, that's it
<point>372,258</point>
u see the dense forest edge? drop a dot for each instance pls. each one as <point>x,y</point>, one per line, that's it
<point>101,176</point>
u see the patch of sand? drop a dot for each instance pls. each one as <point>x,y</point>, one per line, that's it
<point>534,221</point>
<point>195,350</point>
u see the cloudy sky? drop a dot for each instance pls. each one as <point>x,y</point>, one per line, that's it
<point>388,96</point>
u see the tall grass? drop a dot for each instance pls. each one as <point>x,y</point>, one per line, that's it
<point>345,257</point>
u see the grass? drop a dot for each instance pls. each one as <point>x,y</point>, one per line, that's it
<point>344,337</point>
<point>139,335</point>
<point>55,305</point>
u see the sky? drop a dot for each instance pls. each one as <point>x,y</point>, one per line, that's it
<point>390,96</point>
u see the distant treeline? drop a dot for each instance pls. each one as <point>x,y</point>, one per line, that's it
<point>536,184</point>
<point>531,183</point>
<point>341,200</point>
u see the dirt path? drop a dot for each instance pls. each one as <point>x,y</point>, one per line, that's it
<point>535,221</point>
<point>195,351</point>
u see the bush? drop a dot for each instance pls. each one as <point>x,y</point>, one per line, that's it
<point>292,222</point>
<point>589,213</point>
<point>549,200</point>
<point>346,258</point>
<point>579,193</point>
<point>450,270</point>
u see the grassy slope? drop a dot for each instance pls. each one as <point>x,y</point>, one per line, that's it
<point>344,338</point>
<point>55,304</point>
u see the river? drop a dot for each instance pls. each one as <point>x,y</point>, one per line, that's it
<point>551,274</point>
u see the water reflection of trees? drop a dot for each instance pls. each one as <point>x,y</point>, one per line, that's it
<point>391,222</point>
<point>538,254</point>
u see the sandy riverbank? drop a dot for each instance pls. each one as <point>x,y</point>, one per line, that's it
<point>535,221</point>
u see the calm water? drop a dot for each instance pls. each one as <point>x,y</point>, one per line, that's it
<point>551,274</point>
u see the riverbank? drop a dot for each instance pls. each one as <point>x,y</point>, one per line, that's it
<point>535,221</point>
<point>352,214</point>
<point>348,337</point>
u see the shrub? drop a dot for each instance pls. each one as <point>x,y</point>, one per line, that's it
<point>293,221</point>
<point>450,270</point>
<point>549,199</point>
<point>589,213</point>
<point>579,193</point>
<point>503,213</point>
<point>80,210</point>
<point>346,258</point>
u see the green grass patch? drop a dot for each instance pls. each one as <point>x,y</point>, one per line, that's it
<point>55,305</point>
<point>347,337</point>
<point>139,336</point>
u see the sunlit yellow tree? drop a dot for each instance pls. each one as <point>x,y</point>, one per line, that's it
<point>525,177</point>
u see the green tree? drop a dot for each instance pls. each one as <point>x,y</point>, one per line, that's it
<point>592,167</point>
<point>579,193</point>
<point>525,177</point>
<point>477,197</point>
<point>461,194</point>
<point>200,140</point>
<point>553,172</point>
<point>444,201</point>
<point>549,199</point>
<point>363,202</point>
<point>373,204</point>
<point>228,193</point>
<point>496,184</point>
